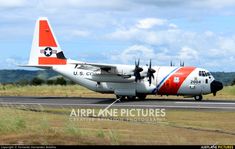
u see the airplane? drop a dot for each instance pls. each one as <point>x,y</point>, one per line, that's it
<point>128,82</point>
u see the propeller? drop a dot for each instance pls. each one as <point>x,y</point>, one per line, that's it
<point>150,72</point>
<point>137,71</point>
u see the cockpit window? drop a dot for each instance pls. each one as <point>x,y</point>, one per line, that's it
<point>208,74</point>
<point>200,73</point>
<point>204,73</point>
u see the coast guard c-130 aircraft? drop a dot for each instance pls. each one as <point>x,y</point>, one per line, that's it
<point>125,81</point>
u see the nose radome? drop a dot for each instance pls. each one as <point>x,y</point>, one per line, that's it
<point>216,86</point>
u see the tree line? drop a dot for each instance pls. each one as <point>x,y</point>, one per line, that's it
<point>38,81</point>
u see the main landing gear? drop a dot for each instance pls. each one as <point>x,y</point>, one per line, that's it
<point>198,97</point>
<point>139,96</point>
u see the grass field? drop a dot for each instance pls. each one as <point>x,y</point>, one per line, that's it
<point>40,125</point>
<point>53,126</point>
<point>78,91</point>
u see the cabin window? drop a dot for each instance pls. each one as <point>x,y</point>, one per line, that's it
<point>206,81</point>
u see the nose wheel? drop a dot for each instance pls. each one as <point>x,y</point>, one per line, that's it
<point>198,98</point>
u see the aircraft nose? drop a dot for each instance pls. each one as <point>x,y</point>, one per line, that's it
<point>216,86</point>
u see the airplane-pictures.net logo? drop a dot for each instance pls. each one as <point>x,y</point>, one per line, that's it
<point>120,114</point>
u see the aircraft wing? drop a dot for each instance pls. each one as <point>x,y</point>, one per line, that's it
<point>108,73</point>
<point>105,68</point>
<point>38,66</point>
<point>100,65</point>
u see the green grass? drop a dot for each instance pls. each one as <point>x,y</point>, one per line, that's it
<point>50,127</point>
<point>228,92</point>
<point>78,91</point>
<point>46,90</point>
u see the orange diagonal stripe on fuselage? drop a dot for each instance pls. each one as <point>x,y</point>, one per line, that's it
<point>170,87</point>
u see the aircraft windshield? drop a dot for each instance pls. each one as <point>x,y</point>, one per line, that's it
<point>204,73</point>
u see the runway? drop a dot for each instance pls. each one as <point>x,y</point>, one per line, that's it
<point>104,102</point>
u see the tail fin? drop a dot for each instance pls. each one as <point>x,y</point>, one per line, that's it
<point>45,49</point>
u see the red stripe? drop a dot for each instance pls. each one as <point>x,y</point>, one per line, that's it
<point>46,38</point>
<point>171,86</point>
<point>51,61</point>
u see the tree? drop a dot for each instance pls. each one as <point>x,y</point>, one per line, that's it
<point>60,81</point>
<point>50,82</point>
<point>37,81</point>
<point>23,82</point>
<point>233,82</point>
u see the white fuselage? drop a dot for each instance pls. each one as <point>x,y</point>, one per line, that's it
<point>167,80</point>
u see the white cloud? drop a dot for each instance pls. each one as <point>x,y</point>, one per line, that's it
<point>227,45</point>
<point>173,26</point>
<point>13,63</point>
<point>209,33</point>
<point>12,3</point>
<point>173,43</point>
<point>214,4</point>
<point>187,53</point>
<point>157,33</point>
<point>150,22</point>
<point>159,57</point>
<point>80,33</point>
<point>91,4</point>
<point>133,53</point>
<point>168,33</point>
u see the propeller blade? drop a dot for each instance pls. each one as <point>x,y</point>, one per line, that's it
<point>150,72</point>
<point>137,71</point>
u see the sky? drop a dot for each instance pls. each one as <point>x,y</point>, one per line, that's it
<point>199,32</point>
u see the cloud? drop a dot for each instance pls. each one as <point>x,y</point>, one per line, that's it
<point>187,53</point>
<point>80,33</point>
<point>159,57</point>
<point>214,4</point>
<point>160,29</point>
<point>226,44</point>
<point>132,53</point>
<point>170,42</point>
<point>114,5</point>
<point>163,3</point>
<point>12,3</point>
<point>173,26</point>
<point>150,22</point>
<point>12,63</point>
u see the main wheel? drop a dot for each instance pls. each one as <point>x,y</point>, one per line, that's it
<point>142,96</point>
<point>131,97</point>
<point>198,98</point>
